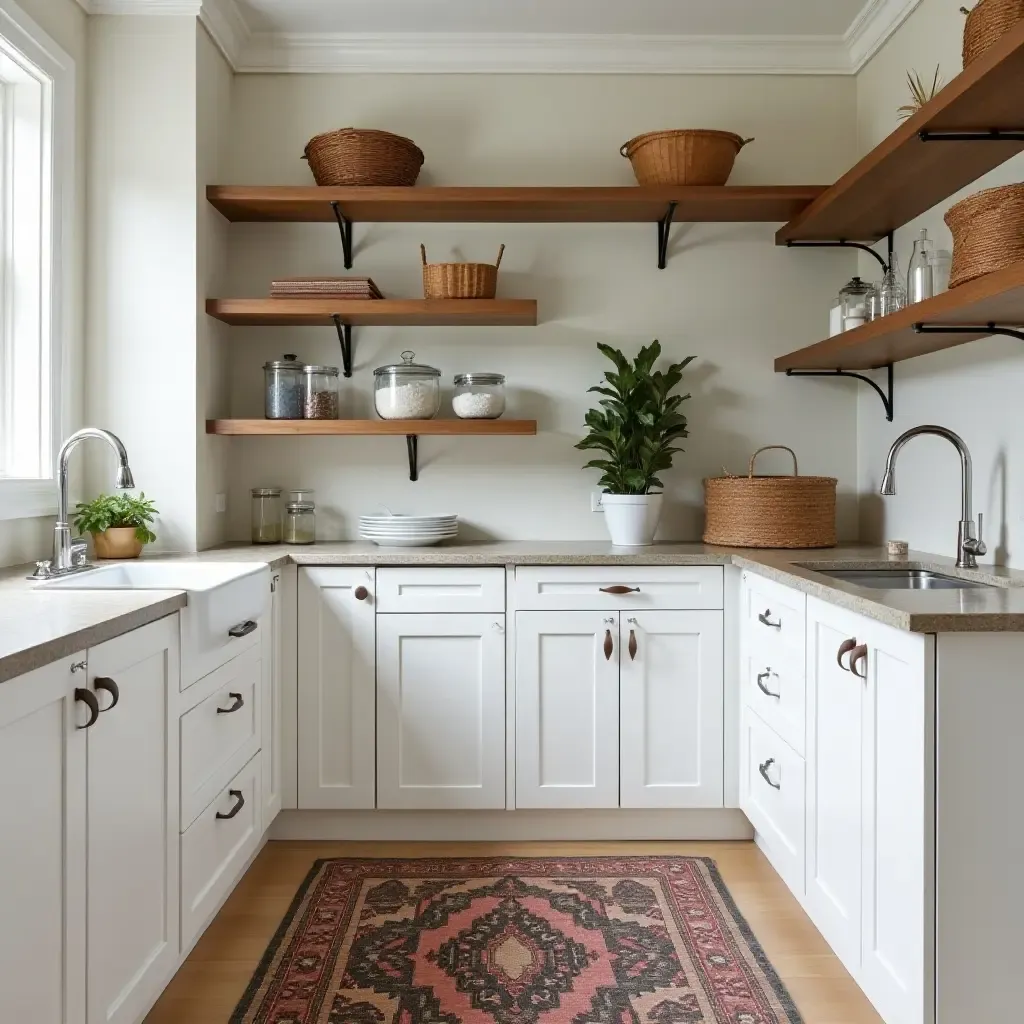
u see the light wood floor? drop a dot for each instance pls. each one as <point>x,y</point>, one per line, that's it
<point>210,983</point>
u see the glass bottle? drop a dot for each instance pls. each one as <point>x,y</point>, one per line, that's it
<point>892,296</point>
<point>920,284</point>
<point>266,515</point>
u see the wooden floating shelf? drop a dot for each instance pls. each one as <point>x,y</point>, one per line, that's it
<point>375,312</point>
<point>904,176</point>
<point>995,298</point>
<point>361,428</point>
<point>527,205</point>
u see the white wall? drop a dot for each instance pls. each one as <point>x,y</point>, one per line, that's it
<point>974,389</point>
<point>729,296</point>
<point>23,540</point>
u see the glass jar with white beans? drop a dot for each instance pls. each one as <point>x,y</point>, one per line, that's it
<point>407,390</point>
<point>479,396</point>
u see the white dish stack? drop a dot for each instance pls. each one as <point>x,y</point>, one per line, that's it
<point>408,531</point>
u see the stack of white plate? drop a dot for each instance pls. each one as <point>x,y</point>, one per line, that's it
<point>408,531</point>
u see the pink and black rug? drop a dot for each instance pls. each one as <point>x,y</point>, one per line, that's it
<point>604,940</point>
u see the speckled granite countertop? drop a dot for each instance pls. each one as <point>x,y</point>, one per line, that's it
<point>37,627</point>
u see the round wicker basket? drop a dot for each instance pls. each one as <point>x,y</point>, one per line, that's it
<point>988,232</point>
<point>688,156</point>
<point>363,156</point>
<point>770,511</point>
<point>460,280</point>
<point>986,23</point>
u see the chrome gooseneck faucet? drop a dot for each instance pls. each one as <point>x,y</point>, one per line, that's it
<point>70,555</point>
<point>968,544</point>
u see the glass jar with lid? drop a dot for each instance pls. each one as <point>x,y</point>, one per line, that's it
<point>300,523</point>
<point>479,396</point>
<point>855,301</point>
<point>283,395</point>
<point>320,393</point>
<point>407,390</point>
<point>266,515</point>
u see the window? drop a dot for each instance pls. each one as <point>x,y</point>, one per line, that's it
<point>36,185</point>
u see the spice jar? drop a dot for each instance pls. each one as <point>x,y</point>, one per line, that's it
<point>479,396</point>
<point>407,390</point>
<point>300,523</point>
<point>321,392</point>
<point>283,389</point>
<point>266,515</point>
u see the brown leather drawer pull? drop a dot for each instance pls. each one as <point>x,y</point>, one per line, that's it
<point>609,646</point>
<point>619,589</point>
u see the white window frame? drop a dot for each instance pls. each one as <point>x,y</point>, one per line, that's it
<point>25,43</point>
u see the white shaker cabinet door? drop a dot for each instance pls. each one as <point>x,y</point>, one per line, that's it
<point>567,709</point>
<point>42,852</point>
<point>671,744</point>
<point>133,794</point>
<point>440,712</point>
<point>336,689</point>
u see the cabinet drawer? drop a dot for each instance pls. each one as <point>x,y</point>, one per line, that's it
<point>440,590</point>
<point>615,587</point>
<point>774,684</point>
<point>773,797</point>
<point>221,733</point>
<point>216,847</point>
<point>773,617</point>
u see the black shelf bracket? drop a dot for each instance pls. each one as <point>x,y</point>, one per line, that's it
<point>983,135</point>
<point>886,396</point>
<point>664,225</point>
<point>412,443</point>
<point>345,227</point>
<point>345,337</point>
<point>843,243</point>
<point>989,328</point>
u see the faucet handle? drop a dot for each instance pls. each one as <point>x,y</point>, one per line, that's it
<point>976,545</point>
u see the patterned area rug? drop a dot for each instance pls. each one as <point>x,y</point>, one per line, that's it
<point>606,940</point>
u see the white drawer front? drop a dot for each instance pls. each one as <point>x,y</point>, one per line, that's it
<point>221,733</point>
<point>215,849</point>
<point>773,797</point>
<point>615,587</point>
<point>440,590</point>
<point>775,686</point>
<point>774,617</point>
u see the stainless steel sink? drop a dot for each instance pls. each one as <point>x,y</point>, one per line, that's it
<point>900,579</point>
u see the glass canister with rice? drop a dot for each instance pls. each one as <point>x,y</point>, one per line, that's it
<point>407,390</point>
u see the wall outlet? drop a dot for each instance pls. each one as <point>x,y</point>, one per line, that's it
<point>595,501</point>
<point>220,503</point>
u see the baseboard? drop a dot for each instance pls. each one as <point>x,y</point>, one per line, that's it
<point>481,826</point>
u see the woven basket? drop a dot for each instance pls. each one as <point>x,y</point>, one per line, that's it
<point>691,156</point>
<point>986,23</point>
<point>362,156</point>
<point>988,232</point>
<point>770,511</point>
<point>460,280</point>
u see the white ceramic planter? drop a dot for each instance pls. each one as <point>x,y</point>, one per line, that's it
<point>632,519</point>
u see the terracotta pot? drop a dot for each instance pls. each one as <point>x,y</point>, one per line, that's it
<point>117,542</point>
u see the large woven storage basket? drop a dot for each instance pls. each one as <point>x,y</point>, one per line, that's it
<point>363,156</point>
<point>988,232</point>
<point>770,511</point>
<point>987,23</point>
<point>460,280</point>
<point>688,156</point>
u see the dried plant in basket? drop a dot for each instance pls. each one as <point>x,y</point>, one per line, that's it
<point>920,94</point>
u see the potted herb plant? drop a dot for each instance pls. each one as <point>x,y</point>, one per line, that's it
<point>636,426</point>
<point>119,524</point>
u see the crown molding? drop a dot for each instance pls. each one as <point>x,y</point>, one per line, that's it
<point>145,7</point>
<point>227,26</point>
<point>871,29</point>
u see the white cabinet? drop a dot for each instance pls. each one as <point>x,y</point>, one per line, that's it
<point>272,743</point>
<point>670,698</point>
<point>132,807</point>
<point>336,689</point>
<point>441,711</point>
<point>567,709</point>
<point>43,852</point>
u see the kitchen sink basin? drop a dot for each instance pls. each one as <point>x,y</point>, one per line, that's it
<point>188,576</point>
<point>900,579</point>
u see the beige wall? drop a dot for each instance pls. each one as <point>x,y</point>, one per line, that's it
<point>975,389</point>
<point>729,296</point>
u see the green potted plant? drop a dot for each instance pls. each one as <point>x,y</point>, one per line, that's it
<point>636,426</point>
<point>119,524</point>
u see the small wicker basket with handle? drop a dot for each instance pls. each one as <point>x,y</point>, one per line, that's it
<point>987,23</point>
<point>460,280</point>
<point>770,511</point>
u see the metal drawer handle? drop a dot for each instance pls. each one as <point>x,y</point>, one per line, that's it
<point>243,628</point>
<point>103,683</point>
<point>618,589</point>
<point>239,804</point>
<point>763,769</point>
<point>609,646</point>
<point>88,698</point>
<point>859,653</point>
<point>844,648</point>
<point>236,705</point>
<point>764,619</point>
<point>632,645</point>
<point>762,676</point>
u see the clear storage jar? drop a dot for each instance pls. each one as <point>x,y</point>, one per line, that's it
<point>300,523</point>
<point>266,515</point>
<point>407,390</point>
<point>283,395</point>
<point>320,393</point>
<point>479,396</point>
